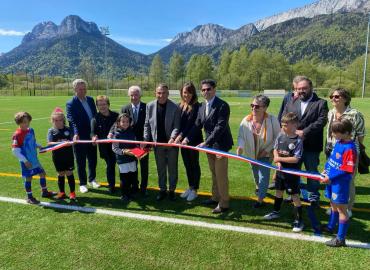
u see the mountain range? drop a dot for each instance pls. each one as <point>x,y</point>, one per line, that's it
<point>330,30</point>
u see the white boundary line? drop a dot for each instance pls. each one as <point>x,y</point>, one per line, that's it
<point>33,119</point>
<point>193,223</point>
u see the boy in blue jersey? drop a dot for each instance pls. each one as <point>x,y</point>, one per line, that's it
<point>338,172</point>
<point>24,147</point>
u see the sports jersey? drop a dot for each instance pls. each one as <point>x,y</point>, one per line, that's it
<point>26,141</point>
<point>63,158</point>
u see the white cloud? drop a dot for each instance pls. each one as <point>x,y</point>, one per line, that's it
<point>142,41</point>
<point>4,32</point>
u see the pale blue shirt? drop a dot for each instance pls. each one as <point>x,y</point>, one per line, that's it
<point>86,107</point>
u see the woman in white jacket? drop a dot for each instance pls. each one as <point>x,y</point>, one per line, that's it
<point>257,134</point>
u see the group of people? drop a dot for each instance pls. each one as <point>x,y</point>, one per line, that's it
<point>293,138</point>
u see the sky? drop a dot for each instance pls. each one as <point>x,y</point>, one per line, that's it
<point>143,26</point>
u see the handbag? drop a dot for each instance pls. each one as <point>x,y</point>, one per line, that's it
<point>363,161</point>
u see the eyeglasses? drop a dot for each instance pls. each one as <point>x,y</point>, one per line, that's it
<point>335,96</point>
<point>255,106</point>
<point>206,89</point>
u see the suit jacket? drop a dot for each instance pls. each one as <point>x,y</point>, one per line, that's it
<point>77,116</point>
<point>172,121</point>
<point>216,125</point>
<point>139,126</point>
<point>312,122</point>
<point>187,122</point>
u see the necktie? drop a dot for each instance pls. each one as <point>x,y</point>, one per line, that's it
<point>135,114</point>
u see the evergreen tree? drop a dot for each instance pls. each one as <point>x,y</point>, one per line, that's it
<point>156,72</point>
<point>176,68</point>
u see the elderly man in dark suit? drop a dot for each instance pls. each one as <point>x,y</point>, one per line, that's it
<point>80,110</point>
<point>162,124</point>
<point>213,116</point>
<point>312,113</point>
<point>137,111</point>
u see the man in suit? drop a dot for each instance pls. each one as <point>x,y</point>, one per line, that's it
<point>214,116</point>
<point>162,124</point>
<point>137,111</point>
<point>80,110</point>
<point>312,113</point>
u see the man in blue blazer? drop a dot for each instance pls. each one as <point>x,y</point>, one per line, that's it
<point>80,110</point>
<point>213,117</point>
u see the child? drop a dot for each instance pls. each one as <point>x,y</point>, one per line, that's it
<point>100,126</point>
<point>125,159</point>
<point>287,153</point>
<point>24,148</point>
<point>63,158</point>
<point>339,170</point>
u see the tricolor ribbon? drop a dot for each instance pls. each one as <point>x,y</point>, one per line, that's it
<point>311,175</point>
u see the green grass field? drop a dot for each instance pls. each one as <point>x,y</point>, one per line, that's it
<point>42,238</point>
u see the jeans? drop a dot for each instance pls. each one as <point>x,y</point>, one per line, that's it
<point>262,177</point>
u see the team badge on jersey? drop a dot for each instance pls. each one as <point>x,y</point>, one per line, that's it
<point>334,196</point>
<point>66,133</point>
<point>337,155</point>
<point>291,146</point>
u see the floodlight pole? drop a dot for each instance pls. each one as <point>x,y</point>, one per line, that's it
<point>365,64</point>
<point>105,32</point>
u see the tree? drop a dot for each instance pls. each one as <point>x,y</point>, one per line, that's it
<point>223,70</point>
<point>87,70</point>
<point>176,68</point>
<point>3,80</point>
<point>199,67</point>
<point>156,72</point>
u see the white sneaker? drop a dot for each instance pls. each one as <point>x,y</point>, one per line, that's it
<point>94,184</point>
<point>297,226</point>
<point>328,211</point>
<point>192,195</point>
<point>349,212</point>
<point>83,189</point>
<point>272,215</point>
<point>186,193</point>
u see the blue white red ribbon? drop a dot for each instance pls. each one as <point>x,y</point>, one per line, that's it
<point>311,175</point>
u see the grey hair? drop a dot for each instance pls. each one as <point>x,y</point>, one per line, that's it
<point>262,99</point>
<point>77,82</point>
<point>134,88</point>
<point>300,78</point>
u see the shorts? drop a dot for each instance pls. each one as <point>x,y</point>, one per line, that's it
<point>287,182</point>
<point>66,164</point>
<point>31,172</point>
<point>338,193</point>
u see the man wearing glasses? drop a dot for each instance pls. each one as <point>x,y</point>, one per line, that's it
<point>312,114</point>
<point>213,116</point>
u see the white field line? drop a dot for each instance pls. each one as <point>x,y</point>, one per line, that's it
<point>33,119</point>
<point>193,223</point>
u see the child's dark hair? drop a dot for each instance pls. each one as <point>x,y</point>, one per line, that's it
<point>20,116</point>
<point>342,126</point>
<point>123,115</point>
<point>290,117</point>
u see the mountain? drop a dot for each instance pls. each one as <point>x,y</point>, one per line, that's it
<point>317,8</point>
<point>59,49</point>
<point>205,39</point>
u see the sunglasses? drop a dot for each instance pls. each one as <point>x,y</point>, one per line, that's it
<point>255,106</point>
<point>335,96</point>
<point>206,89</point>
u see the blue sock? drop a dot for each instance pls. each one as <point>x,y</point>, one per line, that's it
<point>333,220</point>
<point>43,184</point>
<point>27,186</point>
<point>312,217</point>
<point>342,229</point>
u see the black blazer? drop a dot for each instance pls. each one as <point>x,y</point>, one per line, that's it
<point>312,122</point>
<point>187,122</point>
<point>216,125</point>
<point>139,126</point>
<point>77,116</point>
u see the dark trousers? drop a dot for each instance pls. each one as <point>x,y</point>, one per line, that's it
<point>110,168</point>
<point>127,182</point>
<point>144,171</point>
<point>191,163</point>
<point>82,152</point>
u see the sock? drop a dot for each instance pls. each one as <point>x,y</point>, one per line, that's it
<point>342,229</point>
<point>298,213</point>
<point>43,184</point>
<point>277,204</point>
<point>333,220</point>
<point>61,180</point>
<point>312,216</point>
<point>27,186</point>
<point>71,182</point>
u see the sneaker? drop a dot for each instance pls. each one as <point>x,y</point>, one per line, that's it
<point>297,226</point>
<point>83,189</point>
<point>48,194</point>
<point>125,199</point>
<point>258,205</point>
<point>94,184</point>
<point>172,195</point>
<point>60,196</point>
<point>72,196</point>
<point>32,200</point>
<point>328,211</point>
<point>272,215</point>
<point>192,195</point>
<point>336,242</point>
<point>349,212</point>
<point>186,193</point>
